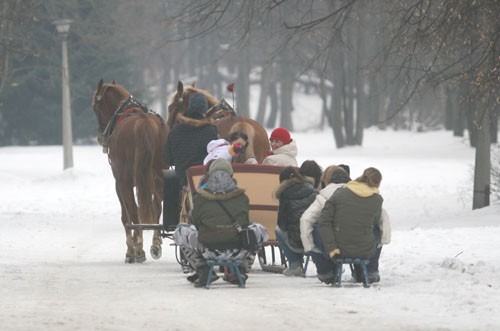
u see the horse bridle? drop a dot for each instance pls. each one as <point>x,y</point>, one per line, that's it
<point>98,111</point>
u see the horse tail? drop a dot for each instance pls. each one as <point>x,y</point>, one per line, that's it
<point>247,128</point>
<point>144,173</point>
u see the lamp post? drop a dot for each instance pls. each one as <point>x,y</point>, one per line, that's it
<point>62,27</point>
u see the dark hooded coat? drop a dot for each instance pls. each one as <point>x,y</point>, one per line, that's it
<point>187,145</point>
<point>295,197</point>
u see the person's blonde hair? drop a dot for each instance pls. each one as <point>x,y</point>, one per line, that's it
<point>371,176</point>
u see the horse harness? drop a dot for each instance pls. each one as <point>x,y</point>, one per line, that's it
<point>128,107</point>
<point>220,110</point>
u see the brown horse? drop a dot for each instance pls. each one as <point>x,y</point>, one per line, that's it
<point>258,142</point>
<point>133,138</point>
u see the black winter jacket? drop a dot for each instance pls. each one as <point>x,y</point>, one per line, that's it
<point>187,146</point>
<point>295,197</point>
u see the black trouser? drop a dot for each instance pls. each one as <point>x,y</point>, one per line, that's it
<point>171,200</point>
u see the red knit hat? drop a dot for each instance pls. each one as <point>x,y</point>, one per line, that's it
<point>282,135</point>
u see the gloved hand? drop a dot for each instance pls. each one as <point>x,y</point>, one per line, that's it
<point>333,253</point>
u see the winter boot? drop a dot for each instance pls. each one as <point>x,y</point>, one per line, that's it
<point>233,277</point>
<point>326,278</point>
<point>295,269</point>
<point>202,276</point>
<point>193,277</point>
<point>373,277</point>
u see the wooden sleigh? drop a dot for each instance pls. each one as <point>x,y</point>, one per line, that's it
<point>260,182</point>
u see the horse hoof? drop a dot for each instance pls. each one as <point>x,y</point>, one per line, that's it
<point>155,252</point>
<point>129,259</point>
<point>140,259</point>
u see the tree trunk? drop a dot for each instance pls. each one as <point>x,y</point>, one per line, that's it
<point>242,89</point>
<point>337,97</point>
<point>472,126</point>
<point>349,98</point>
<point>265,84</point>
<point>494,127</point>
<point>273,98</point>
<point>286,93</point>
<point>458,114</point>
<point>163,94</point>
<point>360,80</point>
<point>286,104</point>
<point>449,118</point>
<point>383,100</point>
<point>324,102</point>
<point>482,169</point>
<point>373,103</point>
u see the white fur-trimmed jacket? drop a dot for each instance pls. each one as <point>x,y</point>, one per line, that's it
<point>218,149</point>
<point>283,156</point>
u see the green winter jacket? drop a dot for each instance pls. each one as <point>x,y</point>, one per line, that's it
<point>215,229</point>
<point>348,219</point>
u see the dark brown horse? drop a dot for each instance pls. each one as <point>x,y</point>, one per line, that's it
<point>258,142</point>
<point>133,138</point>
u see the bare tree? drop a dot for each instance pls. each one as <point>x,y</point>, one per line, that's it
<point>293,35</point>
<point>453,41</point>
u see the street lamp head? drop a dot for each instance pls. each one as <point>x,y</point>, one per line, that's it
<point>62,26</point>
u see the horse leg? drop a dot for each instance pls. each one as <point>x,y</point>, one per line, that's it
<point>140,255</point>
<point>156,250</point>
<point>129,255</point>
<point>135,252</point>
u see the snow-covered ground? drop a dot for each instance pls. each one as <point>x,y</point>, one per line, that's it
<point>62,249</point>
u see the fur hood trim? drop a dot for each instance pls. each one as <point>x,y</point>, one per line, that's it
<point>198,123</point>
<point>361,189</point>
<point>286,184</point>
<point>220,196</point>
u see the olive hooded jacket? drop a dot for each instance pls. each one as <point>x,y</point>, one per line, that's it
<point>215,227</point>
<point>348,219</point>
